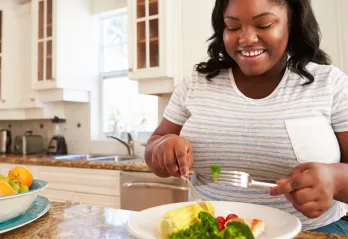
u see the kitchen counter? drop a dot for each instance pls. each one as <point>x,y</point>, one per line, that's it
<point>44,160</point>
<point>70,221</point>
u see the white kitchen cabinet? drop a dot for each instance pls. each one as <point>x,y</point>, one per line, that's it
<point>93,181</point>
<point>63,57</point>
<point>9,39</point>
<point>26,97</point>
<point>1,18</point>
<point>44,41</point>
<point>86,186</point>
<point>15,55</point>
<point>184,41</point>
<point>152,34</point>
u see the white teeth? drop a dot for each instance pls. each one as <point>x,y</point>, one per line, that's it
<point>252,53</point>
<point>245,53</point>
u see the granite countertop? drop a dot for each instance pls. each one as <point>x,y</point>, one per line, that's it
<point>70,221</point>
<point>45,160</point>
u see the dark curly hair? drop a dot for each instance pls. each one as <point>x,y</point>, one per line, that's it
<point>303,46</point>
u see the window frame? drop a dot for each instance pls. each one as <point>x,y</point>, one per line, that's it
<point>105,75</point>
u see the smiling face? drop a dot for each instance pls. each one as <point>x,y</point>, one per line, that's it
<point>256,34</point>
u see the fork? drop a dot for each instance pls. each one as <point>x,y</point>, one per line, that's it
<point>240,179</point>
<point>194,193</point>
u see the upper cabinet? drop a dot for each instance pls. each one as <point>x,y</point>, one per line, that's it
<point>0,43</point>
<point>44,41</point>
<point>8,54</point>
<point>64,49</point>
<point>0,47</point>
<point>147,40</point>
<point>152,29</point>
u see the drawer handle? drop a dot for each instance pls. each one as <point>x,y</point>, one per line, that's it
<point>154,185</point>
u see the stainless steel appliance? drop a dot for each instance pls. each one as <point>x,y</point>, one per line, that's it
<point>28,144</point>
<point>144,190</point>
<point>5,141</point>
<point>57,144</point>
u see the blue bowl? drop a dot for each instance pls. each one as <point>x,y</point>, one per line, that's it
<point>15,205</point>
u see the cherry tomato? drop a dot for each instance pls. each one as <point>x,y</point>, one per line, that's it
<point>221,226</point>
<point>231,216</point>
<point>221,220</point>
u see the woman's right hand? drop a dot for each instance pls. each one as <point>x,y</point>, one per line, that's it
<point>172,155</point>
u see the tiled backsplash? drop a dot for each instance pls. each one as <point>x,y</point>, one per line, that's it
<point>41,127</point>
<point>77,130</point>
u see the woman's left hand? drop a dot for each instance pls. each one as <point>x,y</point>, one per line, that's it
<point>310,188</point>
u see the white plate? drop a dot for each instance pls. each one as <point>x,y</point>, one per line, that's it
<point>278,224</point>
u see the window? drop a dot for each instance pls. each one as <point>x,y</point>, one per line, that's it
<point>123,109</point>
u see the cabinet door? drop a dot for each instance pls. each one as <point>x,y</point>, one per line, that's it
<point>146,39</point>
<point>147,34</point>
<point>104,182</point>
<point>25,95</point>
<point>0,50</point>
<point>43,13</point>
<point>8,63</point>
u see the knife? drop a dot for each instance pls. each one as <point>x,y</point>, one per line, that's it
<point>194,193</point>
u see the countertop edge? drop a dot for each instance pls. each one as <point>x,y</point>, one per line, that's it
<point>38,160</point>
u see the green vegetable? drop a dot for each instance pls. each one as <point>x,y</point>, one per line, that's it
<point>208,228</point>
<point>215,169</point>
<point>209,222</point>
<point>236,230</point>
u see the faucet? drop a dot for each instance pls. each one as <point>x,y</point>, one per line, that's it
<point>129,145</point>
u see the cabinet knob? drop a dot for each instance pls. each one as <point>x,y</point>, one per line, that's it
<point>32,99</point>
<point>130,69</point>
<point>3,101</point>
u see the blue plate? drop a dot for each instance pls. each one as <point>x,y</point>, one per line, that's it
<point>39,207</point>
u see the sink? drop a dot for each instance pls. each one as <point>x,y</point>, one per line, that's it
<point>95,157</point>
<point>114,158</point>
<point>76,156</point>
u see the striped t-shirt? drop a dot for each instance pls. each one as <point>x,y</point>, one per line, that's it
<point>239,133</point>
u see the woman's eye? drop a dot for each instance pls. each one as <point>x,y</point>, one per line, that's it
<point>265,26</point>
<point>232,28</point>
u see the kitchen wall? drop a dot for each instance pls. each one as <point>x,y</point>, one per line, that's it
<point>195,31</point>
<point>101,6</point>
<point>77,131</point>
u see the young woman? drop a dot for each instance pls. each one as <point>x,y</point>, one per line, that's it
<point>268,103</point>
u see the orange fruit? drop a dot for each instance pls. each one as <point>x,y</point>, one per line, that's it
<point>6,189</point>
<point>22,174</point>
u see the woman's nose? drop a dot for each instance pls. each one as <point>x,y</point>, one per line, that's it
<point>248,37</point>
